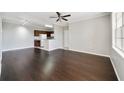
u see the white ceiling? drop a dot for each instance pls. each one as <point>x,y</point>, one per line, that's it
<point>41,18</point>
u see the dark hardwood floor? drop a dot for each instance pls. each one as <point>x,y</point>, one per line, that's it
<point>35,64</point>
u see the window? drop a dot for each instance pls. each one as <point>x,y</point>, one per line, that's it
<point>118,34</point>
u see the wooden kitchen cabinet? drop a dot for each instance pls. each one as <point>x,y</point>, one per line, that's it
<point>37,43</point>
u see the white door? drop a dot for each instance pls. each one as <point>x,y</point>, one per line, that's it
<point>66,39</point>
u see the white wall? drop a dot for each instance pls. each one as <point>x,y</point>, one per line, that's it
<point>17,36</point>
<point>66,37</point>
<point>91,36</point>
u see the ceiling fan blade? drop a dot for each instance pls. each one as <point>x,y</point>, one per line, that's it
<point>53,17</point>
<point>64,19</point>
<point>66,15</point>
<point>57,20</point>
<point>58,14</point>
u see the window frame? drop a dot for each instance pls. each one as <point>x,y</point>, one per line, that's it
<point>115,33</point>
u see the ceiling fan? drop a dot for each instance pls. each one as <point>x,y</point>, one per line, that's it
<point>60,17</point>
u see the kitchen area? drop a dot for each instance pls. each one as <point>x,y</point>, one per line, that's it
<point>44,40</point>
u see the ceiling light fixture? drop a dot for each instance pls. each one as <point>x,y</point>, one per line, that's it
<point>49,26</point>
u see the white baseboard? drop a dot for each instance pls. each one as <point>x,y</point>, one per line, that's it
<point>115,69</point>
<point>47,49</point>
<point>90,53</point>
<point>17,48</point>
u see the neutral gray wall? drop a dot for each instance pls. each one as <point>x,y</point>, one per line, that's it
<point>17,36</point>
<point>91,36</point>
